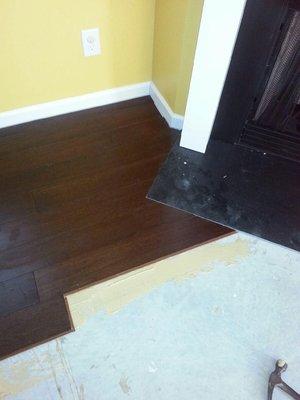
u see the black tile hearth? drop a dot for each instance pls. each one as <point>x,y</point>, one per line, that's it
<point>234,186</point>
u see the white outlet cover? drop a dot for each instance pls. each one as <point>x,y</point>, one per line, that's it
<point>91,42</point>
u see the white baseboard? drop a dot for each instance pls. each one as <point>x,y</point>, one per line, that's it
<point>174,120</point>
<point>72,104</point>
<point>91,100</point>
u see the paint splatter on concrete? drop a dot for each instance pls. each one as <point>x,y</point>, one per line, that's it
<point>20,376</point>
<point>152,368</point>
<point>124,385</point>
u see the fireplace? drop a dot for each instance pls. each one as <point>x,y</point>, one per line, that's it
<point>248,178</point>
<point>260,105</point>
<point>274,122</point>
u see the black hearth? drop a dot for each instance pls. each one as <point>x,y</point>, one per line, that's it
<point>248,178</point>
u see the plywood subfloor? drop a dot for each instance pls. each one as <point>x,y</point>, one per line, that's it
<point>73,211</point>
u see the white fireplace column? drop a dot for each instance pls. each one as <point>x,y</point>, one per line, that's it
<point>217,36</point>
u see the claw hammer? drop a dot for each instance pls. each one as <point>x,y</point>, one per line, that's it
<point>276,381</point>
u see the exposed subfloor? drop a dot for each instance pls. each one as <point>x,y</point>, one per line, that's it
<point>212,331</point>
<point>73,211</point>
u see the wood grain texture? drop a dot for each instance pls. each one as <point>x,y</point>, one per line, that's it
<point>18,293</point>
<point>73,209</point>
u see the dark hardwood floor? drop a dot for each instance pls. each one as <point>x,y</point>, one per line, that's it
<point>73,211</point>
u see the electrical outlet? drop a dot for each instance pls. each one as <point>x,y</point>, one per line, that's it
<point>91,42</point>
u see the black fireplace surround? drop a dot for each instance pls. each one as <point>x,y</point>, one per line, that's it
<point>249,177</point>
<point>259,107</point>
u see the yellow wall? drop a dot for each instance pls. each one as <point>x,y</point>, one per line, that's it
<point>175,38</point>
<point>41,54</point>
<point>40,48</point>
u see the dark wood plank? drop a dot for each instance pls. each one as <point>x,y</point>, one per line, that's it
<point>70,126</point>
<point>50,165</point>
<point>33,325</point>
<point>18,293</point>
<point>106,253</point>
<point>69,206</point>
<point>85,217</point>
<point>15,206</point>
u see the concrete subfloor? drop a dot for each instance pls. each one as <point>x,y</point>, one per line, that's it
<point>207,324</point>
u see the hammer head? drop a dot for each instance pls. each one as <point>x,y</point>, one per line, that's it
<point>275,377</point>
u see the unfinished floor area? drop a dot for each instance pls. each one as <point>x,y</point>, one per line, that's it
<point>206,324</point>
<point>73,211</point>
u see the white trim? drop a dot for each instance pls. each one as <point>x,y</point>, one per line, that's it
<point>174,120</point>
<point>217,36</point>
<point>91,100</point>
<point>72,104</point>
